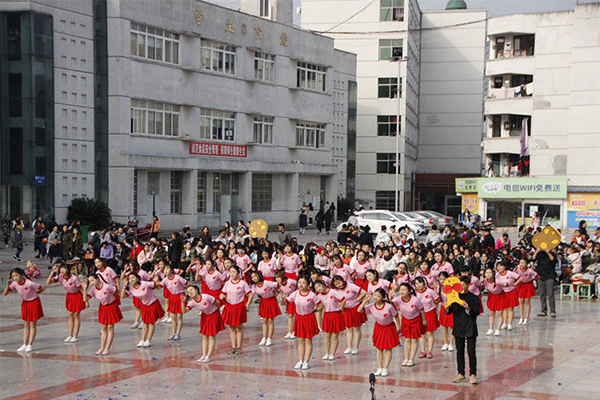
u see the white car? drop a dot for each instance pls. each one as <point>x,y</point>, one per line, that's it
<point>376,218</point>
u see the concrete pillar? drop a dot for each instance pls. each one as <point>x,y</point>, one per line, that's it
<point>331,193</point>
<point>209,192</point>
<point>246,196</point>
<point>293,189</point>
<point>189,189</point>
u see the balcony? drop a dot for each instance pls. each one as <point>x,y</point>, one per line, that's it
<point>504,145</point>
<point>503,101</point>
<point>513,65</point>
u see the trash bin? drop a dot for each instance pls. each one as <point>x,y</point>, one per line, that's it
<point>84,233</point>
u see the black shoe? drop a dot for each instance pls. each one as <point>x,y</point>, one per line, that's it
<point>38,256</point>
<point>542,314</point>
<point>553,315</point>
<point>15,258</point>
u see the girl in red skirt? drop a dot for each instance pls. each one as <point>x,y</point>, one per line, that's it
<point>413,321</point>
<point>109,312</point>
<point>508,280</point>
<point>210,319</point>
<point>525,290</point>
<point>430,300</point>
<point>74,301</point>
<point>446,320</point>
<point>267,266</point>
<point>268,309</point>
<point>353,320</point>
<point>360,266</point>
<point>235,312</point>
<point>212,280</point>
<point>175,284</point>
<point>286,287</point>
<point>333,320</point>
<point>31,307</point>
<point>152,311</point>
<point>385,333</point>
<point>305,326</point>
<point>130,267</point>
<point>495,301</point>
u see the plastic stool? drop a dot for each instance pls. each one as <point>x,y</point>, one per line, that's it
<point>570,290</point>
<point>584,291</point>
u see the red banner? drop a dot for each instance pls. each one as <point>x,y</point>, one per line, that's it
<point>218,149</point>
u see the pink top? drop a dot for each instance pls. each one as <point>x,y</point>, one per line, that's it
<point>213,280</point>
<point>305,304</point>
<point>235,292</point>
<point>267,268</point>
<point>144,292</point>
<point>381,283</point>
<point>345,272</point>
<point>176,284</point>
<point>351,294</point>
<point>444,267</point>
<point>325,279</point>
<point>71,285</point>
<point>410,309</point>
<point>331,300</point>
<point>242,261</point>
<point>105,295</point>
<point>27,290</point>
<point>145,276</point>
<point>475,286</point>
<point>400,279</point>
<point>384,315</point>
<point>109,275</point>
<point>431,278</point>
<point>507,280</point>
<point>528,275</point>
<point>429,299</point>
<point>206,305</point>
<point>492,287</point>
<point>360,269</point>
<point>291,263</point>
<point>266,290</point>
<point>289,287</point>
<point>162,275</point>
<point>443,299</point>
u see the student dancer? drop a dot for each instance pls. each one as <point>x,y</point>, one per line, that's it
<point>151,309</point>
<point>286,287</point>
<point>385,333</point>
<point>525,290</point>
<point>31,306</point>
<point>413,321</point>
<point>212,280</point>
<point>109,312</point>
<point>339,268</point>
<point>74,301</point>
<point>290,262</point>
<point>431,277</point>
<point>176,286</point>
<point>268,309</point>
<point>401,277</point>
<point>267,266</point>
<point>333,320</point>
<point>430,300</point>
<point>145,277</point>
<point>353,320</point>
<point>360,266</point>
<point>495,301</point>
<point>376,283</point>
<point>211,322</point>
<point>508,280</point>
<point>305,325</point>
<point>446,320</point>
<point>235,312</point>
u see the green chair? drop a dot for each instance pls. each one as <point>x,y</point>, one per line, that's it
<point>567,290</point>
<point>584,291</point>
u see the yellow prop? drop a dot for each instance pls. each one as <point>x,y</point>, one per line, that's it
<point>258,228</point>
<point>547,239</point>
<point>452,288</point>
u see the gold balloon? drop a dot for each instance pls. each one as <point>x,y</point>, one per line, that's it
<point>258,228</point>
<point>547,239</point>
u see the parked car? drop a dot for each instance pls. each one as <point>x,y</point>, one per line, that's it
<point>376,218</point>
<point>420,218</point>
<point>437,218</point>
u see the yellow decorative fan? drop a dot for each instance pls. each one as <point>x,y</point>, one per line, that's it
<point>547,239</point>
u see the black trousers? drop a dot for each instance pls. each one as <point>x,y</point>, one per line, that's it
<point>460,354</point>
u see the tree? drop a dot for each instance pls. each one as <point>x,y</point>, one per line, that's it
<point>90,212</point>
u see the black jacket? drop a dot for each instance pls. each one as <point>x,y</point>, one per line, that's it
<point>465,324</point>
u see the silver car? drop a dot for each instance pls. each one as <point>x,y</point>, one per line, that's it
<point>376,218</point>
<point>437,218</point>
<point>416,217</point>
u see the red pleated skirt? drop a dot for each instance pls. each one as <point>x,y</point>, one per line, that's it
<point>361,283</point>
<point>152,313</point>
<point>480,305</point>
<point>526,290</point>
<point>235,314</point>
<point>510,300</point>
<point>432,321</point>
<point>333,322</point>
<point>175,305</point>
<point>214,293</point>
<point>74,302</point>
<point>166,293</point>
<point>446,320</point>
<point>291,275</point>
<point>32,310</point>
<point>290,308</point>
<point>269,308</point>
<point>495,301</point>
<point>269,278</point>
<point>109,314</point>
<point>352,318</point>
<point>412,328</point>
<point>136,302</point>
<point>211,324</point>
<point>385,337</point>
<point>305,326</point>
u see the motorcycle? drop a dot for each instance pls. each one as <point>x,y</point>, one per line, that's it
<point>134,230</point>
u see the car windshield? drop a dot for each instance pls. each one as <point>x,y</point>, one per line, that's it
<point>412,215</point>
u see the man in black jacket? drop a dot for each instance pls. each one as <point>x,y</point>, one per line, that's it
<point>465,330</point>
<point>546,270</point>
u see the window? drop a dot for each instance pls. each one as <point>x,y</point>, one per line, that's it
<point>264,66</point>
<point>524,45</point>
<point>154,44</point>
<point>15,145</point>
<point>386,125</point>
<point>176,186</point>
<point>218,57</point>
<point>201,193</point>
<point>154,118</point>
<point>386,163</point>
<point>390,49</point>
<point>310,76</point>
<point>217,125</point>
<point>388,88</point>
<point>310,135</point>
<point>263,10</point>
<point>135,192</point>
<point>261,192</point>
<point>217,192</point>
<point>391,10</point>
<point>499,46</point>
<point>385,200</point>
<point>263,130</point>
